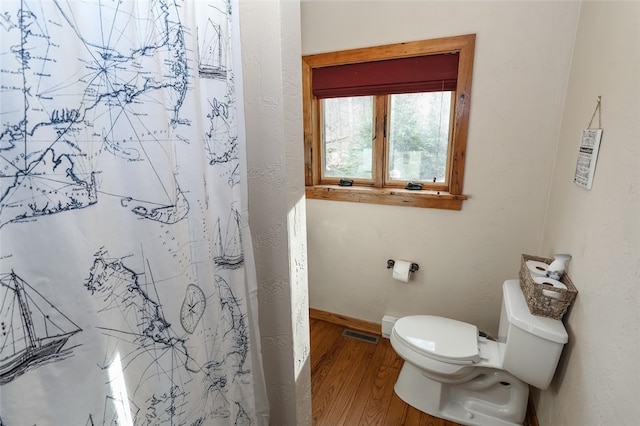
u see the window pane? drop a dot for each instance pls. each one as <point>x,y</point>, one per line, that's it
<point>347,137</point>
<point>419,136</point>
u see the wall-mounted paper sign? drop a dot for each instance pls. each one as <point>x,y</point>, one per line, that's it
<point>587,157</point>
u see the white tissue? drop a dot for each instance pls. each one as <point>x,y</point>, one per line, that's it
<point>401,270</point>
<point>550,282</point>
<point>537,269</point>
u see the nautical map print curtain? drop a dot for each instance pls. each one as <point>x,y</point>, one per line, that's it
<point>123,289</point>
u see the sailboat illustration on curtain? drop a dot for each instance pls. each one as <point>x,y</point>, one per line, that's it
<point>228,245</point>
<point>32,330</point>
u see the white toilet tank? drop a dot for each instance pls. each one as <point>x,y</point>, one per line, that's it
<point>532,344</point>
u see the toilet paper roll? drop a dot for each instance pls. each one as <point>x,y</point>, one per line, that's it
<point>546,281</point>
<point>537,269</point>
<point>401,270</point>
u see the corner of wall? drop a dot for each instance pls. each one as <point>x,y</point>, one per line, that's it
<point>561,112</point>
<point>270,33</point>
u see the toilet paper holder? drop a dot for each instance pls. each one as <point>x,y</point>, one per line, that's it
<point>414,266</point>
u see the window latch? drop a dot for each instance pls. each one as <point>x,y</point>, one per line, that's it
<point>346,182</point>
<point>413,186</point>
<point>384,125</point>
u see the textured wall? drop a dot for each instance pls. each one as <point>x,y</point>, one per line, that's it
<point>270,32</point>
<point>521,65</point>
<point>599,377</point>
<point>295,205</point>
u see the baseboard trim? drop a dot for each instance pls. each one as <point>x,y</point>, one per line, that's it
<point>353,323</point>
<point>531,419</point>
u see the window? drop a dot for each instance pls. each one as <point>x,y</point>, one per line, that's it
<point>388,124</point>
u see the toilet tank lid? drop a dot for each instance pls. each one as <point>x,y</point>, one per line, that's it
<point>440,338</point>
<point>519,315</point>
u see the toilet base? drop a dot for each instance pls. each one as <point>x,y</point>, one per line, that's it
<point>493,398</point>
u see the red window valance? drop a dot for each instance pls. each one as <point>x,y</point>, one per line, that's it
<point>431,73</point>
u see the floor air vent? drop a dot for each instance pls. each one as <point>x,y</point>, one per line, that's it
<point>353,334</point>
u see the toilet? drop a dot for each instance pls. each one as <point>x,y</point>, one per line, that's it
<point>452,371</point>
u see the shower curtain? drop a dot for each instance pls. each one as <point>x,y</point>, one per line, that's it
<point>127,290</point>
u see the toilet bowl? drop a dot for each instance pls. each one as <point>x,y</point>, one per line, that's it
<point>450,371</point>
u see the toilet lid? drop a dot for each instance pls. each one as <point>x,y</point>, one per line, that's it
<point>440,338</point>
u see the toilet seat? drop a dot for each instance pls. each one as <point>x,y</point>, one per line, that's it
<point>439,338</point>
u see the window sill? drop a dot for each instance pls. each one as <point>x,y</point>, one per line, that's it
<point>387,196</point>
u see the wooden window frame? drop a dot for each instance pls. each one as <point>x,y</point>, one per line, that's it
<point>388,195</point>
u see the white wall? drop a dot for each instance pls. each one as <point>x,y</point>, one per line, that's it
<point>599,377</point>
<point>270,33</point>
<point>522,59</point>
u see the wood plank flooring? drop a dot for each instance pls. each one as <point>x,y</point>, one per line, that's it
<point>352,382</point>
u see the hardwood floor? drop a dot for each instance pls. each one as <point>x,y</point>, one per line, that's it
<point>352,382</point>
